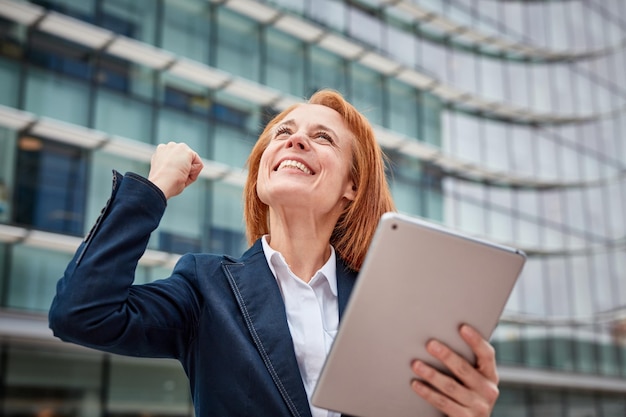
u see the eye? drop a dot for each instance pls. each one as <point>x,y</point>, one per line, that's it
<point>325,136</point>
<point>282,130</point>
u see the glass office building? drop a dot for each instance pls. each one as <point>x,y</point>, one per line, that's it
<point>502,118</point>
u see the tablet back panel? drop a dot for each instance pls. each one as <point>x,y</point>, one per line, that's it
<point>419,281</point>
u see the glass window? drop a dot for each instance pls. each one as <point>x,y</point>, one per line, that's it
<point>231,146</point>
<point>495,145</point>
<point>403,104</point>
<point>471,217</point>
<point>433,59</point>
<point>517,82</point>
<point>511,403</point>
<point>464,73</point>
<point>364,26</point>
<point>33,277</point>
<point>500,226</point>
<point>4,279</point>
<point>562,87</point>
<point>74,8</point>
<point>9,82</point>
<point>178,126</point>
<point>329,12</point>
<point>433,197</point>
<point>407,196</point>
<point>49,382</point>
<point>513,17</point>
<point>293,5</point>
<point>401,45</point>
<point>187,29</point>
<point>183,95</point>
<point>430,118</point>
<point>50,186</point>
<point>535,344</point>
<point>7,168</point>
<point>121,115</point>
<point>326,71</point>
<point>506,341</point>
<point>238,45</point>
<point>366,92</point>
<point>613,406</point>
<point>546,402</point>
<point>59,55</point>
<point>284,63</point>
<point>462,137</point>
<point>140,387</point>
<point>535,22</point>
<point>580,404</point>
<point>491,78</point>
<point>561,349</point>
<point>583,94</point>
<point>132,18</point>
<point>56,96</point>
<point>226,231</point>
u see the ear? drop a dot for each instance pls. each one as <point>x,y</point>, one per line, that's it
<point>350,192</point>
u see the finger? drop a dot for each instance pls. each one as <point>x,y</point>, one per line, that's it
<point>484,351</point>
<point>464,371</point>
<point>196,168</point>
<point>443,383</point>
<point>436,399</point>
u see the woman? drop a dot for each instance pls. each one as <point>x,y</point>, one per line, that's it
<point>252,333</point>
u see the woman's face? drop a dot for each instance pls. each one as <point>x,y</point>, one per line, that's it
<point>307,162</point>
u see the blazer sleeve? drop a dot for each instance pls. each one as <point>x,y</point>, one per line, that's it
<point>96,303</point>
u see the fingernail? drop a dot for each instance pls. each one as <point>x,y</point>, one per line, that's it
<point>435,346</point>
<point>417,386</point>
<point>467,331</point>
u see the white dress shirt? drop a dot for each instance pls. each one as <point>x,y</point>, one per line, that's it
<point>312,316</point>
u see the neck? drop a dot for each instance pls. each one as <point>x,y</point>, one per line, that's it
<point>304,241</point>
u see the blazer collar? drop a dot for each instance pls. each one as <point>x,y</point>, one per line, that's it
<point>263,310</point>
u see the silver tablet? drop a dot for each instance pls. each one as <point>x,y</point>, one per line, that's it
<point>419,281</point>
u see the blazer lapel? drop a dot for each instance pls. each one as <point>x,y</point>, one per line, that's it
<point>345,282</point>
<point>263,310</point>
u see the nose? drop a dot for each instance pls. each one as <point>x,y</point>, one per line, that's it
<point>298,140</point>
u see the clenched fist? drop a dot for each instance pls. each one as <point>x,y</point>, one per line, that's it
<point>173,167</point>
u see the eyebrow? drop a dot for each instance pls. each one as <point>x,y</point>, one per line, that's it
<point>317,126</point>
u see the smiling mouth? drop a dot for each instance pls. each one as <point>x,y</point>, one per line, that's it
<point>290,163</point>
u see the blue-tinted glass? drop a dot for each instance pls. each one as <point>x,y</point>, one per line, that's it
<point>124,116</point>
<point>238,45</point>
<point>187,29</point>
<point>176,243</point>
<point>284,63</point>
<point>50,186</point>
<point>38,379</point>
<point>511,403</point>
<point>132,18</point>
<point>7,171</point>
<point>33,277</point>
<point>326,71</point>
<point>114,73</point>
<point>59,55</point>
<point>366,92</point>
<point>226,241</point>
<point>57,96</point>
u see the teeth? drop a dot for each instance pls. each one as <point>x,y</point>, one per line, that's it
<point>294,164</point>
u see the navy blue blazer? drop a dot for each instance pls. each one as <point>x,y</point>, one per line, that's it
<point>223,318</point>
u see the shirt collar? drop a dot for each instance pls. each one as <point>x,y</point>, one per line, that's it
<point>328,270</point>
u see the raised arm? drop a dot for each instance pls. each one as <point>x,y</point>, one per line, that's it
<point>96,304</point>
